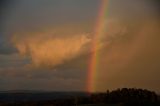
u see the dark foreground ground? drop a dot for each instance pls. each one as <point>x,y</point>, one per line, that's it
<point>119,97</point>
<point>102,105</point>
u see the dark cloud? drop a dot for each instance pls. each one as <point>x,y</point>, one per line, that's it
<point>6,48</point>
<point>134,10</point>
<point>28,15</point>
<point>33,79</point>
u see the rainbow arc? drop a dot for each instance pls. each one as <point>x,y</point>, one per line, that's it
<point>98,32</point>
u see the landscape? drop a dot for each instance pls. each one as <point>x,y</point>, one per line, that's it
<point>79,52</point>
<point>118,97</point>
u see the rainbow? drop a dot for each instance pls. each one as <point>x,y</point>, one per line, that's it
<point>93,61</point>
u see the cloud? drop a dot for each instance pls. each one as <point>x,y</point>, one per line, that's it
<point>131,60</point>
<point>29,79</point>
<point>5,46</point>
<point>49,51</point>
<point>50,48</point>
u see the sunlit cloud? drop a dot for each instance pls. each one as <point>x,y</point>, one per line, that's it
<point>50,51</point>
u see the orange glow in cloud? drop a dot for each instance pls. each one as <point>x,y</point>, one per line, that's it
<point>50,51</point>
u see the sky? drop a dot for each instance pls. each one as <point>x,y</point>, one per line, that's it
<point>46,45</point>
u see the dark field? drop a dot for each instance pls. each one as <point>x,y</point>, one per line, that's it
<point>119,97</point>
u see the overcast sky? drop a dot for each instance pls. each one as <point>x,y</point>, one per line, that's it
<point>45,45</point>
